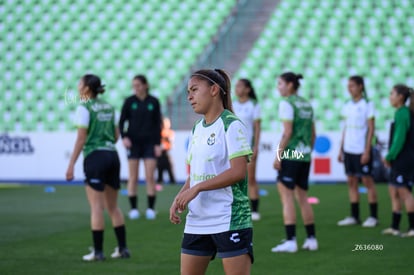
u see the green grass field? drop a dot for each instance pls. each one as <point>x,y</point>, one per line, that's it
<point>47,233</point>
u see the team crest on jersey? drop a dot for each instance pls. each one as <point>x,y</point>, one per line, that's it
<point>212,139</point>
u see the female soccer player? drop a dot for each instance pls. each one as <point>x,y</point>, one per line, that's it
<point>401,159</point>
<point>97,134</point>
<point>142,140</point>
<point>219,217</point>
<point>355,151</point>
<point>164,161</point>
<point>247,109</point>
<point>293,162</point>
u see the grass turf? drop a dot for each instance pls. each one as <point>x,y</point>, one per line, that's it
<point>44,233</point>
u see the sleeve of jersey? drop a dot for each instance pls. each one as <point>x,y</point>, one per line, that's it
<point>236,141</point>
<point>401,126</point>
<point>257,112</point>
<point>82,117</point>
<point>286,112</point>
<point>371,110</point>
<point>189,147</point>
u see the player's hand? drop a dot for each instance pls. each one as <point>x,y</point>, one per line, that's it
<point>157,150</point>
<point>69,173</point>
<point>185,197</point>
<point>386,163</point>
<point>365,157</point>
<point>276,164</point>
<point>127,142</point>
<point>341,157</point>
<point>174,217</point>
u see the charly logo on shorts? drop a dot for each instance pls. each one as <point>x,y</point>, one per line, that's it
<point>400,179</point>
<point>235,237</point>
<point>365,169</point>
<point>212,139</point>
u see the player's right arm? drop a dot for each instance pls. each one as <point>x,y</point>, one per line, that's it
<point>124,117</point>
<point>174,217</point>
<point>341,148</point>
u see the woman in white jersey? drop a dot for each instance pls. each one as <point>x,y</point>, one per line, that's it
<point>248,110</point>
<point>219,218</point>
<point>97,134</point>
<point>355,151</point>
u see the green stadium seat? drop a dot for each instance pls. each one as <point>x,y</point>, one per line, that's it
<point>327,41</point>
<point>49,40</point>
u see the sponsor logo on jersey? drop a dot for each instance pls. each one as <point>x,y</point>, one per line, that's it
<point>134,106</point>
<point>203,177</point>
<point>105,116</point>
<point>99,107</point>
<point>212,139</point>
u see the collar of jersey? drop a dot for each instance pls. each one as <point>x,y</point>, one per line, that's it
<point>209,124</point>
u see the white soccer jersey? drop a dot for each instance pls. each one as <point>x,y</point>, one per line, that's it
<point>210,150</point>
<point>356,116</point>
<point>248,112</point>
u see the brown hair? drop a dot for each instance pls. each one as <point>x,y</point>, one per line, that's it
<point>222,80</point>
<point>406,92</point>
<point>94,83</point>
<point>290,77</point>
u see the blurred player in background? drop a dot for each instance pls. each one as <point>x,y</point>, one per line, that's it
<point>219,218</point>
<point>97,134</point>
<point>248,110</point>
<point>356,153</point>
<point>142,140</point>
<point>401,159</point>
<point>293,162</point>
<point>164,161</point>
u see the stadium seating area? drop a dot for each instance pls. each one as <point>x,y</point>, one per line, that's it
<point>327,41</point>
<point>46,46</point>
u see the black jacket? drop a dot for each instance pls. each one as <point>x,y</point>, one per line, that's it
<point>144,120</point>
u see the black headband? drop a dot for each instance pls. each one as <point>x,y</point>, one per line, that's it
<point>210,79</point>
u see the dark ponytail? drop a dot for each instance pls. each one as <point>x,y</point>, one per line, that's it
<point>94,84</point>
<point>222,80</point>
<point>359,80</point>
<point>406,92</point>
<point>248,84</point>
<point>290,77</point>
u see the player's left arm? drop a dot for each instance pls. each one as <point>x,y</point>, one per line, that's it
<point>313,136</point>
<point>287,134</point>
<point>370,134</point>
<point>80,142</point>
<point>256,128</point>
<point>157,129</point>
